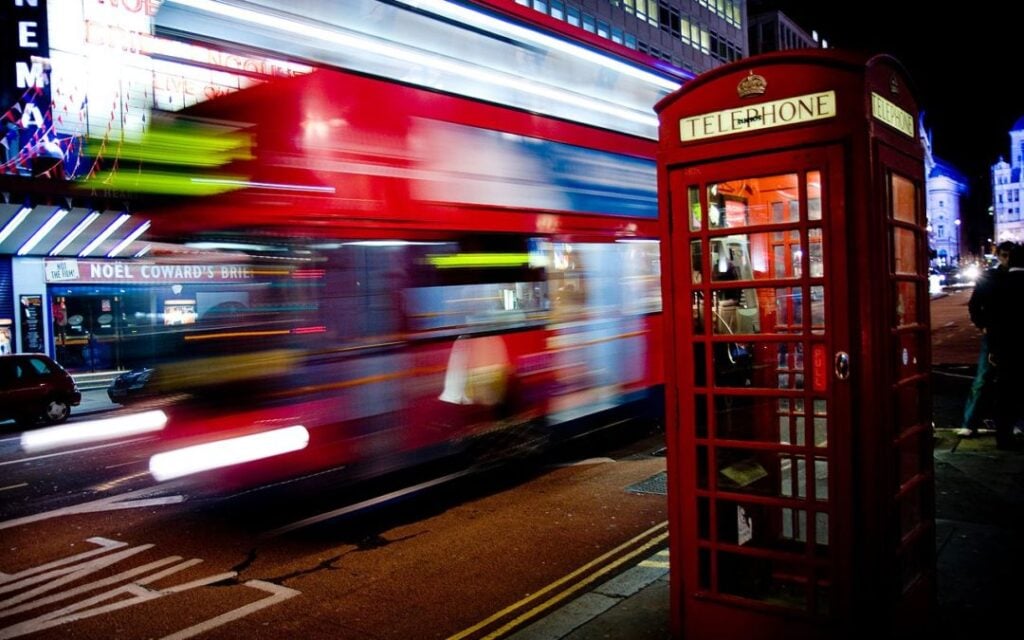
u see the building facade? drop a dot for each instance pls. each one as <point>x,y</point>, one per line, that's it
<point>1007,184</point>
<point>694,35</point>
<point>946,190</point>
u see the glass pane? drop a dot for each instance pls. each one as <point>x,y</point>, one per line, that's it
<point>759,365</point>
<point>909,463</point>
<point>911,509</point>
<point>755,526</point>
<point>909,408</point>
<point>820,424</point>
<point>821,479</point>
<point>704,518</point>
<point>814,195</point>
<point>702,468</point>
<point>906,303</point>
<point>754,256</point>
<point>904,199</point>
<point>763,473</point>
<point>904,251</point>
<point>761,310</point>
<point>696,262</point>
<point>789,311</point>
<point>817,309</point>
<point>697,310</point>
<point>911,354</point>
<point>760,419</point>
<point>776,582</point>
<point>700,420</point>
<point>696,214</point>
<point>699,364</point>
<point>753,201</point>
<point>817,253</point>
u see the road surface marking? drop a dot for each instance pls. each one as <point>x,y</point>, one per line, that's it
<point>112,503</point>
<point>278,594</point>
<point>39,586</point>
<point>597,562</point>
<point>362,505</point>
<point>14,486</point>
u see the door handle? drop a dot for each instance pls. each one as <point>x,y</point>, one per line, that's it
<point>842,365</point>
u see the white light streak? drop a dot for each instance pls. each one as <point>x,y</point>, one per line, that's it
<point>77,231</point>
<point>98,240</point>
<point>132,237</point>
<point>48,226</point>
<point>445,65</point>
<point>93,431</point>
<point>14,222</point>
<point>225,453</point>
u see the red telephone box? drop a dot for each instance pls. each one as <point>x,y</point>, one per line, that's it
<point>801,490</point>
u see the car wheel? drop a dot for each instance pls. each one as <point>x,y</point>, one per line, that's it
<point>56,411</point>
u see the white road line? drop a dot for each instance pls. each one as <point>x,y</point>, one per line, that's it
<point>278,594</point>
<point>362,505</point>
<point>66,453</point>
<point>14,486</point>
<point>112,503</point>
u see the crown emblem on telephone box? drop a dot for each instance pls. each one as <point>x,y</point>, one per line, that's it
<point>752,85</point>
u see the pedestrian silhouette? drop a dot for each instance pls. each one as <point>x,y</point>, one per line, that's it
<point>980,397</point>
<point>1006,346</point>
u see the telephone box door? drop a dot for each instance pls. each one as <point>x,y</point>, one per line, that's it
<point>763,364</point>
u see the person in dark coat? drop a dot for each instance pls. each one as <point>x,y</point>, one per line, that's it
<point>979,306</point>
<point>1006,347</point>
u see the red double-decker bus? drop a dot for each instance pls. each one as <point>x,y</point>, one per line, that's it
<point>427,275</point>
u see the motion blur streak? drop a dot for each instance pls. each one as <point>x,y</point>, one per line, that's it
<point>93,431</point>
<point>216,455</point>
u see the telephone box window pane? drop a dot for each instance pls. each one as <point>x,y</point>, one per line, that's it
<point>754,256</point>
<point>904,251</point>
<point>760,472</point>
<point>702,467</point>
<point>696,213</point>
<point>814,195</point>
<point>764,365</point>
<point>906,303</point>
<point>759,419</point>
<point>911,456</point>
<point>776,582</point>
<point>817,310</point>
<point>816,253</point>
<point>820,424</point>
<point>754,526</point>
<point>696,262</point>
<point>700,420</point>
<point>696,278</point>
<point>911,509</point>
<point>909,408</point>
<point>704,518</point>
<point>699,364</point>
<point>753,201</point>
<point>789,312</point>
<point>792,422</point>
<point>761,310</point>
<point>904,199</point>
<point>821,479</point>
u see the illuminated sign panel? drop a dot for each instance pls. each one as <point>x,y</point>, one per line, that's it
<point>26,143</point>
<point>892,115</point>
<point>763,115</point>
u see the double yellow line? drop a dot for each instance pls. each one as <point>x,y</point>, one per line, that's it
<point>536,604</point>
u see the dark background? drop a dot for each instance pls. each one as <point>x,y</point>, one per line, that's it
<point>963,61</point>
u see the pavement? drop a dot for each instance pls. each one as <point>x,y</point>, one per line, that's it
<point>979,541</point>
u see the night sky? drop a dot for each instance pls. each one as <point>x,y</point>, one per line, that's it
<point>961,63</point>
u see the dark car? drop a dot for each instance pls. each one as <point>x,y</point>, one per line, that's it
<point>131,386</point>
<point>34,387</point>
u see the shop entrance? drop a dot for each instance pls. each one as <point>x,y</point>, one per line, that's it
<point>801,487</point>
